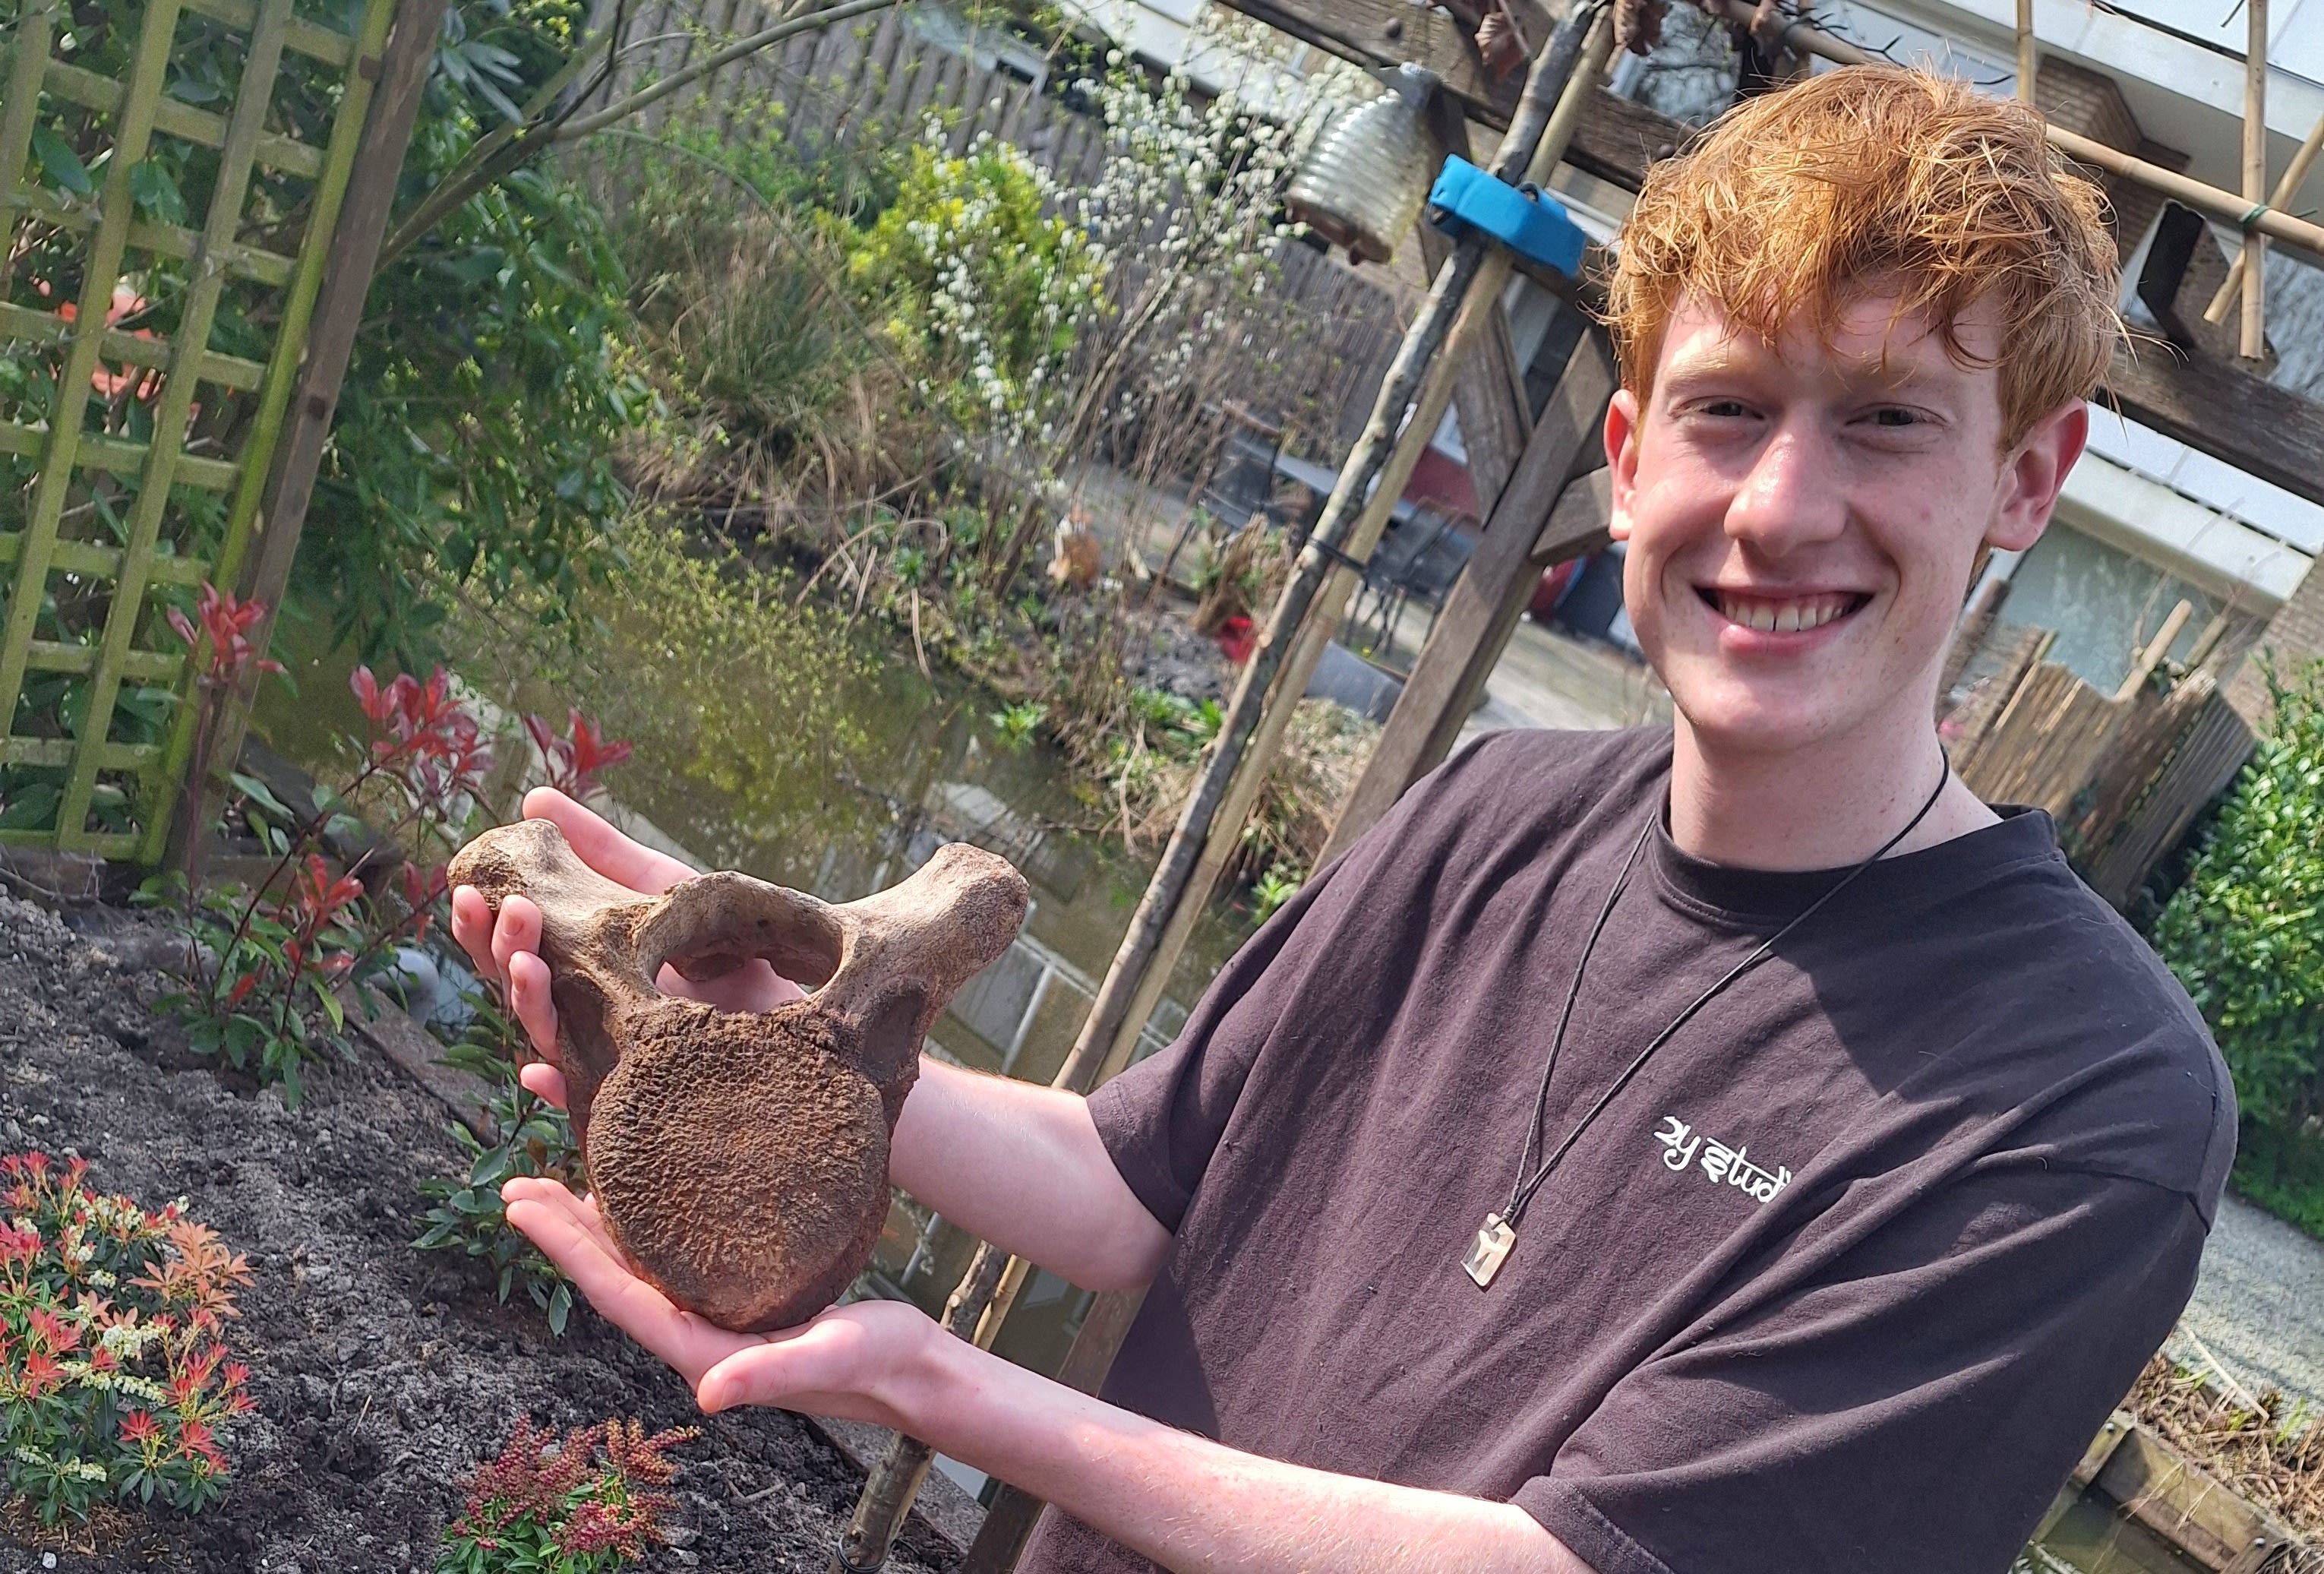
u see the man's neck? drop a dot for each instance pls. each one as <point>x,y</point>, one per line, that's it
<point>1823,807</point>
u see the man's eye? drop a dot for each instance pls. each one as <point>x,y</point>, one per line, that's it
<point>1893,415</point>
<point>1725,409</point>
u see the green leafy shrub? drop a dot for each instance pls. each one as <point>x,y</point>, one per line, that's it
<point>2284,1173</point>
<point>523,1135</point>
<point>980,286</point>
<point>1271,890</point>
<point>2246,932</point>
<point>1016,724</point>
<point>583,1504</point>
<point>490,382</point>
<point>114,1376</point>
<point>487,395</point>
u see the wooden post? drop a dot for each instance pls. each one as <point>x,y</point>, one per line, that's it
<point>1464,299</point>
<point>2287,190</point>
<point>402,77</point>
<point>2255,324</point>
<point>1485,601</point>
<point>2029,60</point>
<point>1488,391</point>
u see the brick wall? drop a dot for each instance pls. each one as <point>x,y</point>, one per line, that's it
<point>2294,637</point>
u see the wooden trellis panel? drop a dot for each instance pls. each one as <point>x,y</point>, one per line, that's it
<point>111,514</point>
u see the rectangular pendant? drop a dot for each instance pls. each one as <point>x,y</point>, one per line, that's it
<point>1490,1249</point>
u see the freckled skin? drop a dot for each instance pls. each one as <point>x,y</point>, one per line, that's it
<point>740,1159</point>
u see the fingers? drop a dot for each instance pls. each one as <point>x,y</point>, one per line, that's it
<point>604,848</point>
<point>544,1081</point>
<point>472,927</point>
<point>529,1003</point>
<point>558,1223</point>
<point>517,929</point>
<point>582,1211</point>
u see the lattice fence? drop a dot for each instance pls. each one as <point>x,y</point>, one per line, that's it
<point>170,174</point>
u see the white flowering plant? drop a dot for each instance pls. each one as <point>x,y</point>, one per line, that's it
<point>1186,212</point>
<point>979,283</point>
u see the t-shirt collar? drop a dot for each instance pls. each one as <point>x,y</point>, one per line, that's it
<point>1749,898</point>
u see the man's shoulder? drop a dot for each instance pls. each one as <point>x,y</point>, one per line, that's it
<point>2075,1010</point>
<point>1543,778</point>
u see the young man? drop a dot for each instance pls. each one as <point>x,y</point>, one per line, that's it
<point>1733,1148</point>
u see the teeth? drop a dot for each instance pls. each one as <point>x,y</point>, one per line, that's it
<point>1782,616</point>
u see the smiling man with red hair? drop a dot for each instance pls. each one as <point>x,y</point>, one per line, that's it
<point>1724,1148</point>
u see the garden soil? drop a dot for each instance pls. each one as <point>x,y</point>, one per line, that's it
<point>383,1376</point>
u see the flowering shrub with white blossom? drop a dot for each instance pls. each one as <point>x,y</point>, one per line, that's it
<point>980,282</point>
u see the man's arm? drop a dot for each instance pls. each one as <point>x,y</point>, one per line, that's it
<point>1190,1504</point>
<point>1015,1165</point>
<point>1021,1166</point>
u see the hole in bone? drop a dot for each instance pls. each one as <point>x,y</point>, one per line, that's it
<point>734,991</point>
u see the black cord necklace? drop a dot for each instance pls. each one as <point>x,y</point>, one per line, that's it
<point>1498,1234</point>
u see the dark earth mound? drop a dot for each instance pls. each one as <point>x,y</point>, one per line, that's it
<point>381,1376</point>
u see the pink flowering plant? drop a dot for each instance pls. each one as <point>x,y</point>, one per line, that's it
<point>583,1504</point>
<point>268,965</point>
<point>572,762</point>
<point>114,1382</point>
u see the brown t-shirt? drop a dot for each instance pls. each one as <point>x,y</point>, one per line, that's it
<point>1845,1280</point>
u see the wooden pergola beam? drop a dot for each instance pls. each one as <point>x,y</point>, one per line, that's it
<point>2227,413</point>
<point>1490,593</point>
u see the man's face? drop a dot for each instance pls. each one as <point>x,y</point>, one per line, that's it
<point>1801,520</point>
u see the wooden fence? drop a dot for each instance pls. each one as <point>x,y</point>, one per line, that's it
<point>129,483</point>
<point>2124,777</point>
<point>1331,330</point>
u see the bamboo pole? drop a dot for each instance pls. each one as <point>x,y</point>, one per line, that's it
<point>2237,211</point>
<point>1410,402</point>
<point>2254,325</point>
<point>2286,192</point>
<point>2029,61</point>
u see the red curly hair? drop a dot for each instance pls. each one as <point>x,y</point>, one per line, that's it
<point>1879,176</point>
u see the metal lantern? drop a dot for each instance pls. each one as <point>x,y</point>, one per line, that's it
<point>1365,177</point>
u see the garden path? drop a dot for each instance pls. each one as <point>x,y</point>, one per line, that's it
<point>2259,1305</point>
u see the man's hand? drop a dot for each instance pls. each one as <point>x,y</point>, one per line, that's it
<point>849,1362</point>
<point>507,949</point>
<point>1184,1502</point>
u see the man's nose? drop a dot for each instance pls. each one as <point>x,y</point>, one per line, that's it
<point>1793,494</point>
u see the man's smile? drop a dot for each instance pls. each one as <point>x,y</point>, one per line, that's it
<point>1791,612</point>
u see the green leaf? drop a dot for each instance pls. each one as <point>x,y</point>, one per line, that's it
<point>60,163</point>
<point>260,794</point>
<point>154,192</point>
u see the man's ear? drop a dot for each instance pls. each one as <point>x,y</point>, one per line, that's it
<point>2035,473</point>
<point>1622,458</point>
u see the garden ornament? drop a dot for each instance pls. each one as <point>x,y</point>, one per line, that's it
<point>740,1159</point>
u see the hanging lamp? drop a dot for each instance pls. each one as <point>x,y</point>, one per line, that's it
<point>1365,176</point>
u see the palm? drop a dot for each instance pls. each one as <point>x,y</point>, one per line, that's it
<point>831,1366</point>
<point>506,947</point>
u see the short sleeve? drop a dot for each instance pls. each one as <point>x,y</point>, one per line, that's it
<point>1162,1118</point>
<point>1916,1403</point>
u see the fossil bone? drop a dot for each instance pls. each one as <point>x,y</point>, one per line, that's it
<point>740,1159</point>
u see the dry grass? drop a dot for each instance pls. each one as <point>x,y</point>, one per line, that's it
<point>2269,1451</point>
<point>1325,748</point>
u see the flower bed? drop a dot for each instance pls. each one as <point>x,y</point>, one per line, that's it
<point>380,1377</point>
